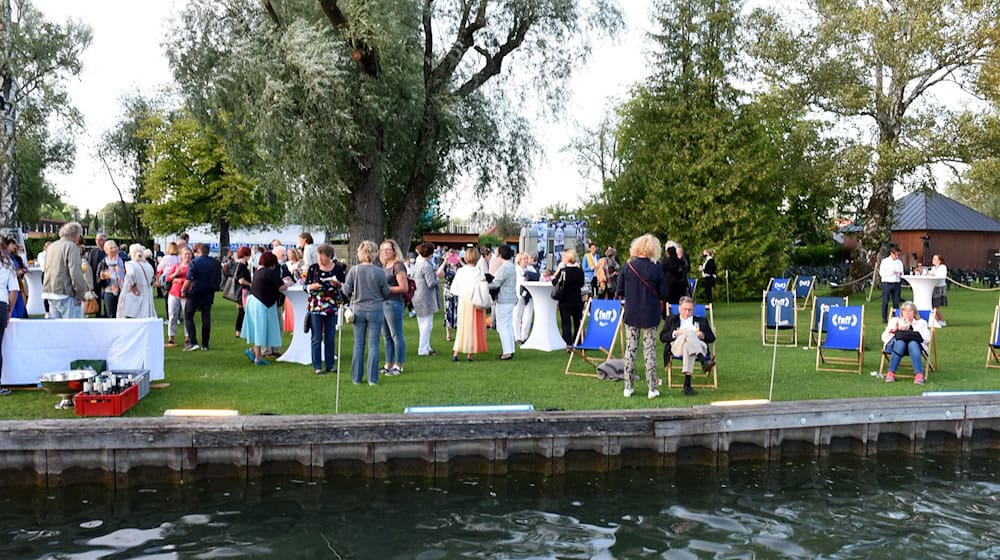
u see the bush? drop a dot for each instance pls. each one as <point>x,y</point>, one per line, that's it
<point>817,255</point>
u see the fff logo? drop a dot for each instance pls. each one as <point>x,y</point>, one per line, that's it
<point>605,316</point>
<point>780,302</point>
<point>844,322</point>
<point>804,283</point>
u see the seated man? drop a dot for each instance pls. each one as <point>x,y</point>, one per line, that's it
<point>688,336</point>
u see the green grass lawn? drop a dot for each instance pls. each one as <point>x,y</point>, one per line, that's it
<point>224,378</point>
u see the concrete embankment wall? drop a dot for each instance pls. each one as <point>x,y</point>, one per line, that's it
<point>121,452</point>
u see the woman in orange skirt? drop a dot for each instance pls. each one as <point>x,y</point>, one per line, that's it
<point>470,331</point>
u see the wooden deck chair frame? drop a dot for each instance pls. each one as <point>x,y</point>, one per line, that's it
<point>793,337</point>
<point>993,346</point>
<point>804,298</point>
<point>605,353</point>
<point>838,363</point>
<point>699,378</point>
<point>814,318</point>
<point>770,283</point>
<point>930,356</point>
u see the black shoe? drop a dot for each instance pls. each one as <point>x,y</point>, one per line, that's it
<point>708,364</point>
<point>454,358</point>
<point>688,390</point>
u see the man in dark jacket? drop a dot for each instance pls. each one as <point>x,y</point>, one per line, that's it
<point>688,336</point>
<point>204,277</point>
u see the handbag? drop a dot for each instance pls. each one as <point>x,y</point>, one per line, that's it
<point>231,289</point>
<point>91,306</point>
<point>560,286</point>
<point>481,296</point>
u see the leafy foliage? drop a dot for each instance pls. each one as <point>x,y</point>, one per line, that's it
<point>36,60</point>
<point>706,167</point>
<point>873,65</point>
<point>190,180</point>
<point>367,143</point>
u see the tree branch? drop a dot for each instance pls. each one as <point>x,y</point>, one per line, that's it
<point>494,62</point>
<point>272,13</point>
<point>333,13</point>
<point>464,39</point>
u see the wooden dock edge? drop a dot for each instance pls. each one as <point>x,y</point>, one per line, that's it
<point>122,452</point>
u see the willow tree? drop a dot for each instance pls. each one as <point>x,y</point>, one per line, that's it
<point>365,111</point>
<point>876,65</point>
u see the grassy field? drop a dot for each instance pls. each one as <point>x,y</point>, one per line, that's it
<point>224,378</point>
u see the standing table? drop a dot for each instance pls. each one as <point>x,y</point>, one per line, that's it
<point>545,333</point>
<point>300,350</point>
<point>35,304</point>
<point>923,292</point>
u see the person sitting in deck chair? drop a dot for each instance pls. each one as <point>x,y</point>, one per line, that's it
<point>688,337</point>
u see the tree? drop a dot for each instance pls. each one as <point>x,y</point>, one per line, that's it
<point>39,148</point>
<point>125,152</point>
<point>36,58</point>
<point>364,112</point>
<point>191,181</point>
<point>596,150</point>
<point>874,65</point>
<point>702,164</point>
<point>978,186</point>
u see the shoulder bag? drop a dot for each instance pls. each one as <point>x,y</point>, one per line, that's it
<point>231,289</point>
<point>481,298</point>
<point>560,286</point>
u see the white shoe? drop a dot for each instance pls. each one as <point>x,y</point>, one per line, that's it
<point>628,392</point>
<point>942,324</point>
<point>653,394</point>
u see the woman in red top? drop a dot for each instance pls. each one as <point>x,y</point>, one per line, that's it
<point>175,303</point>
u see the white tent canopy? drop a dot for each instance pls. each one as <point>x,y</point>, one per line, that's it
<point>288,235</point>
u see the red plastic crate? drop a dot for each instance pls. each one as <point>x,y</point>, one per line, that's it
<point>106,405</point>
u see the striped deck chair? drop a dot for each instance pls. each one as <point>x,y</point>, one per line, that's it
<point>844,327</point>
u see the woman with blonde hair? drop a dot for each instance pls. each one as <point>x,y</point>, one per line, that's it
<point>571,299</point>
<point>367,289</point>
<point>643,286</point>
<point>392,258</point>
<point>470,332</point>
<point>907,334</point>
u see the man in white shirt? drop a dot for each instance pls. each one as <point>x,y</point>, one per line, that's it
<point>890,272</point>
<point>8,297</point>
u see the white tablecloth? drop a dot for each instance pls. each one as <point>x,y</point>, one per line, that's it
<point>300,349</point>
<point>545,332</point>
<point>34,347</point>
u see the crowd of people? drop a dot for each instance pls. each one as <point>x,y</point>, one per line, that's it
<point>472,290</point>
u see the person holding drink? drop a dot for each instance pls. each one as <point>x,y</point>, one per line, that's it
<point>688,336</point>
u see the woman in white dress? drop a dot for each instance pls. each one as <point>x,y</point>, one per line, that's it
<point>136,297</point>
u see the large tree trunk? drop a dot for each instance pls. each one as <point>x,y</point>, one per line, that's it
<point>405,220</point>
<point>877,231</point>
<point>367,199</point>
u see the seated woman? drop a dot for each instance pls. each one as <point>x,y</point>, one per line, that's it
<point>906,334</point>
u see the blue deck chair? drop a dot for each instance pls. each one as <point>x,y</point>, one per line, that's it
<point>930,356</point>
<point>804,290</point>
<point>992,357</point>
<point>818,304</point>
<point>699,378</point>
<point>844,330</point>
<point>599,331</point>
<point>779,284</point>
<point>777,316</point>
<point>692,286</point>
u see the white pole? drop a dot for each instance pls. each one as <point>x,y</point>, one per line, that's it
<point>774,355</point>
<point>340,338</point>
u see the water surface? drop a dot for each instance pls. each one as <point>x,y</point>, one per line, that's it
<point>887,507</point>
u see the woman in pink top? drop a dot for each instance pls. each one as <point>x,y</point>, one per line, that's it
<point>175,303</point>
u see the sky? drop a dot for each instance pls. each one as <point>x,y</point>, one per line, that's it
<point>126,57</point>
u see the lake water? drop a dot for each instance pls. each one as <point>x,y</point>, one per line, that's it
<point>885,507</point>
